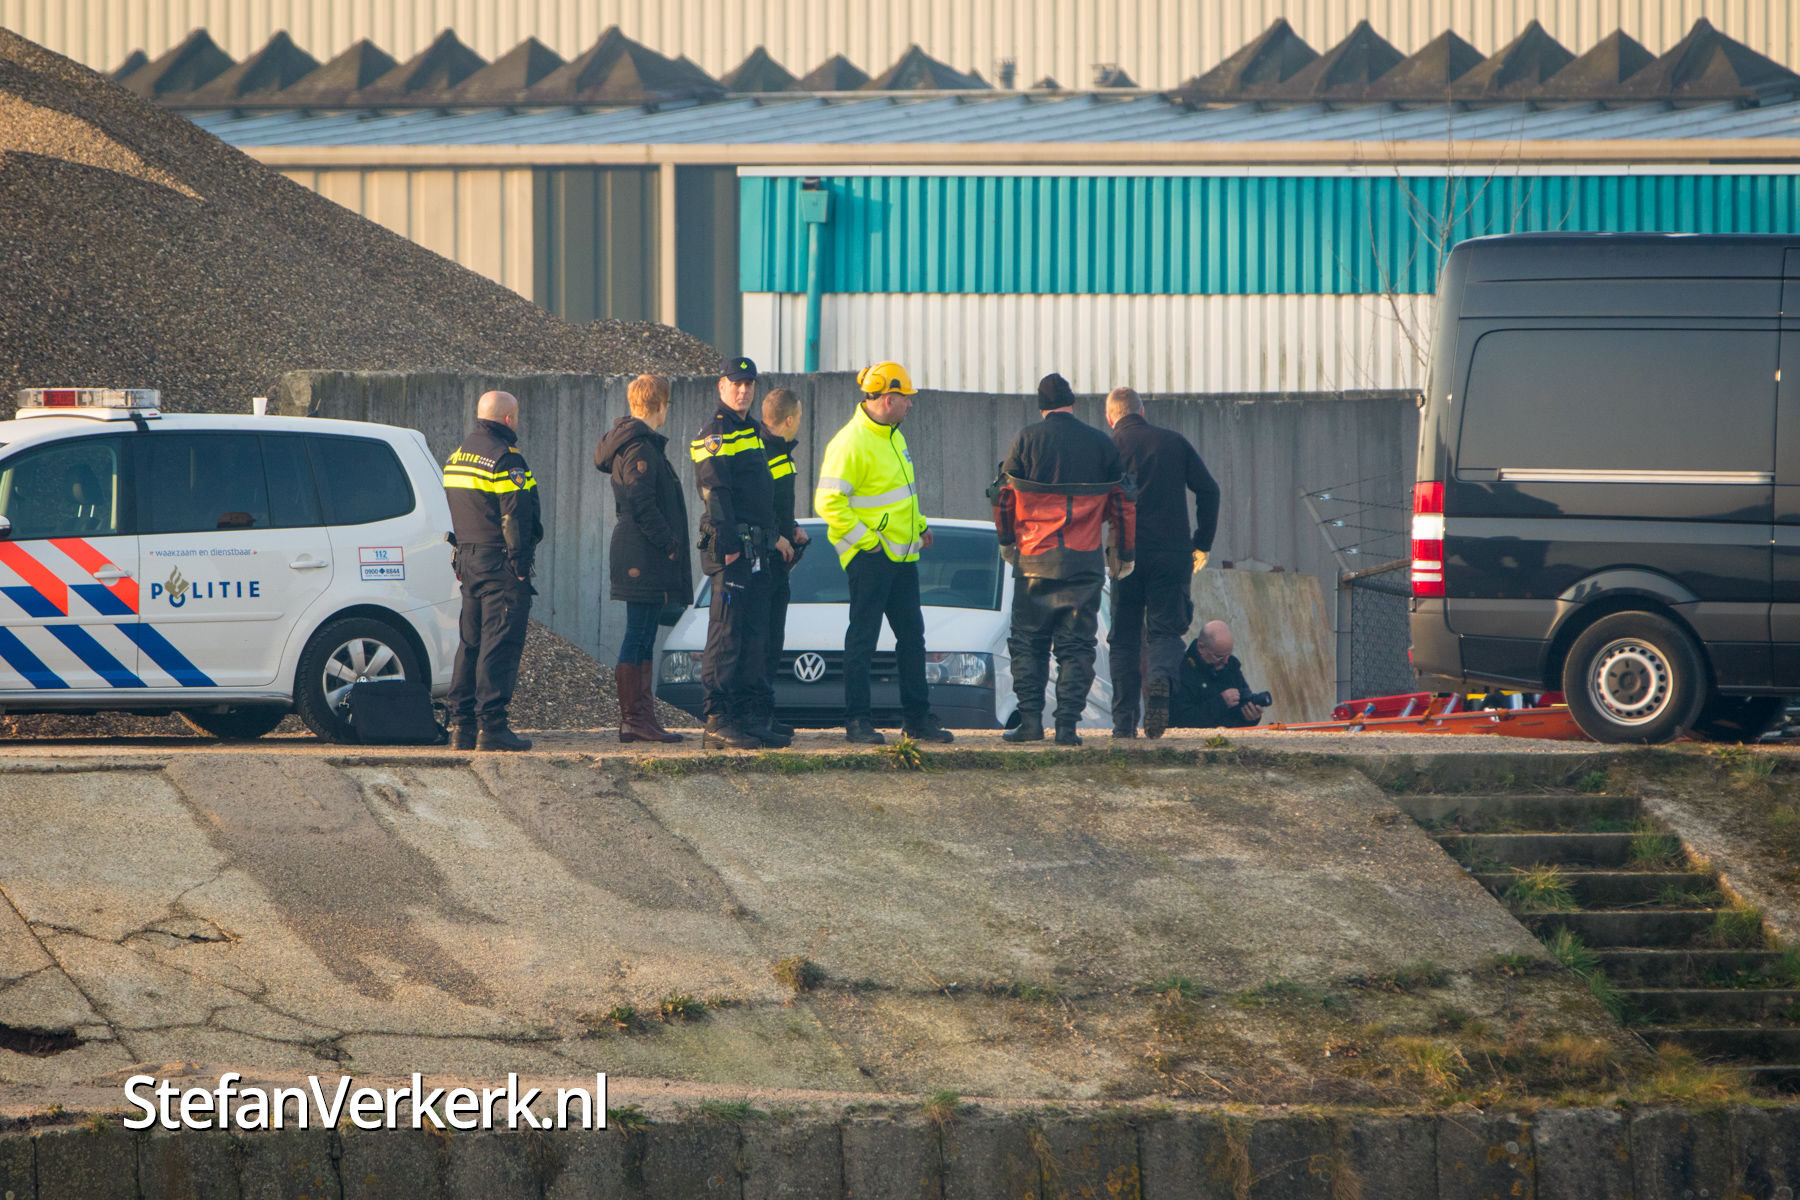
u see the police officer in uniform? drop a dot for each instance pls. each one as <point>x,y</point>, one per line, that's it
<point>494,511</point>
<point>737,536</point>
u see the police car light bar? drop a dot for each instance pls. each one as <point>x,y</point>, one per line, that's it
<point>109,401</point>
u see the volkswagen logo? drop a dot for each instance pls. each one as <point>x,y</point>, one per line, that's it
<point>809,667</point>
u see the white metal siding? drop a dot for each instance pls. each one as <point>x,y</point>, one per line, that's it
<point>992,343</point>
<point>1160,43</point>
<point>479,218</point>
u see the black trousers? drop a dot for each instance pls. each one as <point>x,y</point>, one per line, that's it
<point>1152,609</point>
<point>779,593</point>
<point>734,666</point>
<point>1061,615</point>
<point>495,606</point>
<point>881,587</point>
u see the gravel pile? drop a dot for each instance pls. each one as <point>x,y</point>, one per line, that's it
<point>140,251</point>
<point>560,687</point>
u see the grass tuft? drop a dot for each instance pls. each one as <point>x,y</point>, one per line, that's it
<point>1540,889</point>
<point>942,1107</point>
<point>1175,987</point>
<point>1652,846</point>
<point>679,1006</point>
<point>1681,1077</point>
<point>628,1117</point>
<point>1591,782</point>
<point>798,973</point>
<point>1739,927</point>
<point>1435,1064</point>
<point>729,1110</point>
<point>1413,976</point>
<point>903,754</point>
<point>1568,949</point>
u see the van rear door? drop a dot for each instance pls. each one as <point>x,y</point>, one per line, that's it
<point>1616,440</point>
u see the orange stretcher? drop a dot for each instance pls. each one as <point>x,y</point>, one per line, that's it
<point>1421,712</point>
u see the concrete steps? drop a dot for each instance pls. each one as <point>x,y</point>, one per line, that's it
<point>1614,896</point>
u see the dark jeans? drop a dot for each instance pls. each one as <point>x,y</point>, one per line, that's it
<point>639,643</point>
<point>495,606</point>
<point>778,606</point>
<point>733,667</point>
<point>1059,614</point>
<point>881,587</point>
<point>1158,594</point>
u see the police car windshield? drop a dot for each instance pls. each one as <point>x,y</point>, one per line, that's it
<point>961,570</point>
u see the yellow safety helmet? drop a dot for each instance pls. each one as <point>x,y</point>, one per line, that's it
<point>885,377</point>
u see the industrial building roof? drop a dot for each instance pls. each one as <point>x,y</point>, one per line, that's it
<point>1277,66</point>
<point>1001,118</point>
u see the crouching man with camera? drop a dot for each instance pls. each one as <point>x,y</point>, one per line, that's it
<point>1211,690</point>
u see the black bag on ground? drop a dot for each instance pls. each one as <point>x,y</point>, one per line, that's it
<point>394,712</point>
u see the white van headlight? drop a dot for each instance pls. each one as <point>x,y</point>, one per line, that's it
<point>681,666</point>
<point>959,669</point>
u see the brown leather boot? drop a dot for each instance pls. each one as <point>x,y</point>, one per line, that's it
<point>647,704</point>
<point>625,677</point>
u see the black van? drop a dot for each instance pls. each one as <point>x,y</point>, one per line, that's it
<point>1608,496</point>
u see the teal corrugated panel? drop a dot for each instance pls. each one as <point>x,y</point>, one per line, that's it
<point>1179,235</point>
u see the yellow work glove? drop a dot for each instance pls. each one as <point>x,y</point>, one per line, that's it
<point>1199,561</point>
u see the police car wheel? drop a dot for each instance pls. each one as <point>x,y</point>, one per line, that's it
<point>339,656</point>
<point>235,724</point>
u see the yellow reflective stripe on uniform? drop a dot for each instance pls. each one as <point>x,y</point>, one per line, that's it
<point>496,486</point>
<point>891,496</point>
<point>781,468</point>
<point>901,549</point>
<point>848,542</point>
<point>829,484</point>
<point>736,443</point>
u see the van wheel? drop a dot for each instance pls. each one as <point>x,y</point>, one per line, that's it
<point>339,656</point>
<point>1739,718</point>
<point>1633,677</point>
<point>236,724</point>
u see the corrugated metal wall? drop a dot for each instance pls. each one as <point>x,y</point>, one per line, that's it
<point>479,218</point>
<point>1161,43</point>
<point>1152,343</point>
<point>1208,234</point>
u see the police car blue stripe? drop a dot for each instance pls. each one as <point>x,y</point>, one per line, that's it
<point>102,599</point>
<point>96,656</point>
<point>20,658</point>
<point>34,602</point>
<point>163,653</point>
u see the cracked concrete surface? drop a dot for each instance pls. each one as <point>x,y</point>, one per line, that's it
<point>300,913</point>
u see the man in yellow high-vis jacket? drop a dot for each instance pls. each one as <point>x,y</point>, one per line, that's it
<point>868,494</point>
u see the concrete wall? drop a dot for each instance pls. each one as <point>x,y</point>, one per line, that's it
<point>1558,1154</point>
<point>1264,450</point>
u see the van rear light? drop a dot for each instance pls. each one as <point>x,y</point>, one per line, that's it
<point>1428,539</point>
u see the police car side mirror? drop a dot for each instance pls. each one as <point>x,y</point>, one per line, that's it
<point>5,527</point>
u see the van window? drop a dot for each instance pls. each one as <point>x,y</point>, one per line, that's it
<point>195,482</point>
<point>1620,400</point>
<point>70,489</point>
<point>293,501</point>
<point>360,480</point>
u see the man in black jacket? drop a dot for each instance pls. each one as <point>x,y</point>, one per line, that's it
<point>1060,486</point>
<point>494,512</point>
<point>738,534</point>
<point>1166,468</point>
<point>1212,691</point>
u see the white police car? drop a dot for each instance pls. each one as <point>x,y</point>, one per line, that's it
<point>965,593</point>
<point>228,568</point>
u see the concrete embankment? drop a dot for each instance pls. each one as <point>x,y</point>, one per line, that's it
<point>1559,1154</point>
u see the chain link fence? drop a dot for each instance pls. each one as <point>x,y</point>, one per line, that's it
<point>1367,524</point>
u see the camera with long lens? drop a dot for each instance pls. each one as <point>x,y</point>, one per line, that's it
<point>1260,699</point>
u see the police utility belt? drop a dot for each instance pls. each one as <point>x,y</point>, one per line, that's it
<point>754,542</point>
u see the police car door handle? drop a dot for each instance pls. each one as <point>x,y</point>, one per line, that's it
<point>308,564</point>
<point>110,574</point>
